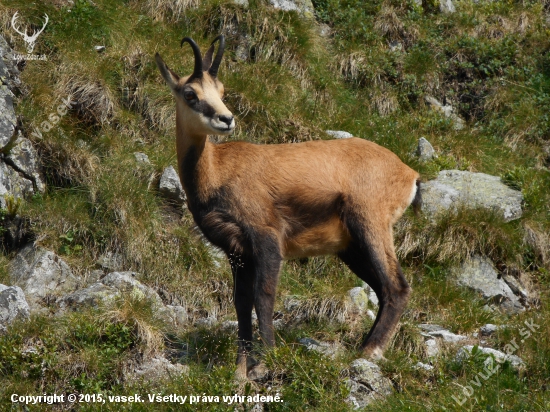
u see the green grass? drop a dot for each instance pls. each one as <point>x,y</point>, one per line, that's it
<point>489,60</point>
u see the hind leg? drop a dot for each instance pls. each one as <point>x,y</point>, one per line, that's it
<point>268,263</point>
<point>371,256</point>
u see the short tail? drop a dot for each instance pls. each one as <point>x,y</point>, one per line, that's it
<point>417,201</point>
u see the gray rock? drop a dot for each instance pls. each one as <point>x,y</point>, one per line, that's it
<point>447,110</point>
<point>432,348</point>
<point>429,327</point>
<point>516,286</point>
<point>479,274</point>
<point>489,329</point>
<point>8,120</point>
<point>24,159</point>
<point>453,188</point>
<point>359,299</point>
<point>500,357</point>
<point>511,307</point>
<point>370,314</point>
<point>94,276</point>
<point>369,374</point>
<point>110,261</point>
<point>360,395</point>
<point>40,273</point>
<point>170,186</point>
<point>207,322</point>
<point>303,7</point>
<point>243,3</point>
<point>93,296</point>
<point>13,305</point>
<point>446,6</point>
<point>142,158</point>
<point>12,184</point>
<point>126,283</point>
<point>327,349</point>
<point>425,150</point>
<point>9,73</point>
<point>156,370</point>
<point>231,325</point>
<point>447,336</point>
<point>178,315</point>
<point>424,366</point>
<point>338,134</point>
<point>371,294</point>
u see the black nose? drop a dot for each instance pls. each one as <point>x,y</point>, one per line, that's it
<point>226,119</point>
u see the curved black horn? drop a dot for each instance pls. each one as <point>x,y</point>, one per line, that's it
<point>198,58</point>
<point>213,70</point>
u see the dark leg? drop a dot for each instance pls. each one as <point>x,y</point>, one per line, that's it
<point>268,263</point>
<point>372,257</point>
<point>243,278</point>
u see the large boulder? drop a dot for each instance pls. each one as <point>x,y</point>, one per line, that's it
<point>13,305</point>
<point>41,273</point>
<point>454,188</point>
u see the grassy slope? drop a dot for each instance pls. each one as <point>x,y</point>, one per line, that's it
<point>490,61</point>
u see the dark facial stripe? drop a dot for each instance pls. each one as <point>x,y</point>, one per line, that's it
<point>201,106</point>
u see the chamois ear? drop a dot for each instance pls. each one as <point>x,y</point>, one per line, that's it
<point>168,75</point>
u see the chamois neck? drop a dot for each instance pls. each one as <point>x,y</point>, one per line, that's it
<point>195,158</point>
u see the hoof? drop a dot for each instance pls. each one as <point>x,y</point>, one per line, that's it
<point>258,373</point>
<point>375,354</point>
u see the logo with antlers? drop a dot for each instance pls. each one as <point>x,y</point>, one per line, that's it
<point>30,40</point>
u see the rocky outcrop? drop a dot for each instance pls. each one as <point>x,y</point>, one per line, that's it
<point>19,172</point>
<point>41,273</point>
<point>13,305</point>
<point>122,284</point>
<point>454,188</point>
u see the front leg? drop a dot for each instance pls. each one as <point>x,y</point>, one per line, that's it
<point>243,278</point>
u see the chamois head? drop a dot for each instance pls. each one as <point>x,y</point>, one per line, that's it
<point>199,96</point>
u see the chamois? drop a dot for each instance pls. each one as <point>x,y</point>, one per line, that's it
<point>262,204</point>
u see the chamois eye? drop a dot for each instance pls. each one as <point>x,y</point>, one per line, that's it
<point>189,95</point>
